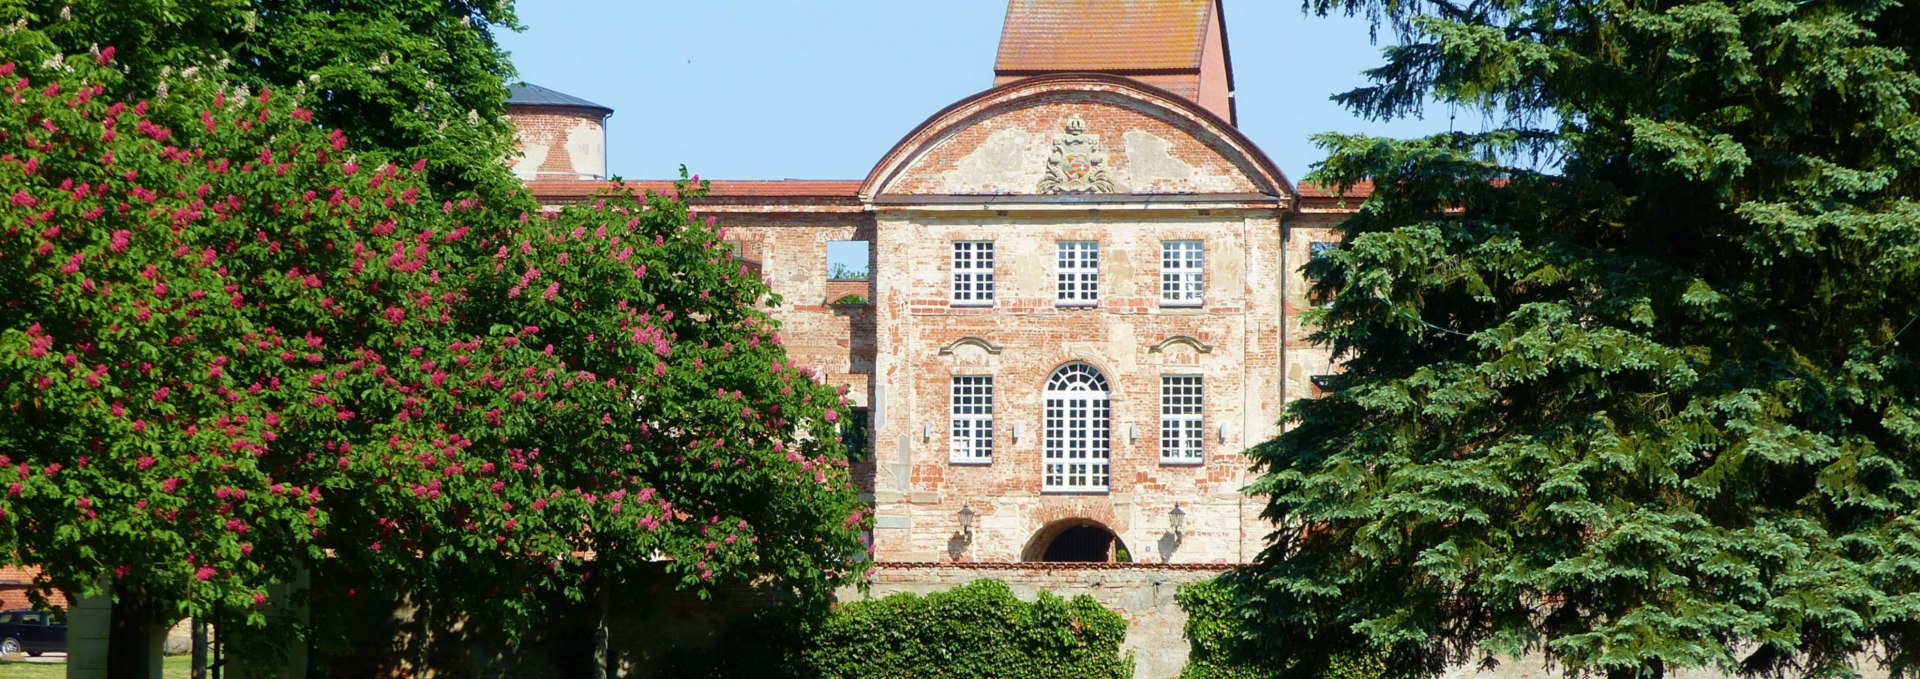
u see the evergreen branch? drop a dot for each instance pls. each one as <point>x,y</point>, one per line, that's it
<point>1396,309</point>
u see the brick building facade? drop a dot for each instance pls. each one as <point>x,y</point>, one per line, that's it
<point>1084,302</point>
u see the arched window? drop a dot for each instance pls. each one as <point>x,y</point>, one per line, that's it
<point>1079,437</point>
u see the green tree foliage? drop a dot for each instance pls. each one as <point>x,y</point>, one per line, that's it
<point>229,349</point>
<point>842,272</point>
<point>416,78</point>
<point>1650,407</point>
<point>979,629</point>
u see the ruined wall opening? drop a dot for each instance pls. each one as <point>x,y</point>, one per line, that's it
<point>849,272</point>
<point>1076,541</point>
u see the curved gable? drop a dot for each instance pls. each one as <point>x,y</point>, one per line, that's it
<point>1074,134</point>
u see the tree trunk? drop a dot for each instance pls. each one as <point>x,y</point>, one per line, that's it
<point>423,658</point>
<point>603,660</point>
<point>135,639</point>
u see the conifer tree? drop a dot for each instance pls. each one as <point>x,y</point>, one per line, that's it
<point>1630,377</point>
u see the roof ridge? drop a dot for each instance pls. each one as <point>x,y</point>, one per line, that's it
<point>528,94</point>
<point>1103,35</point>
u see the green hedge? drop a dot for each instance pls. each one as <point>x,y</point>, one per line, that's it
<point>1223,645</point>
<point>976,630</point>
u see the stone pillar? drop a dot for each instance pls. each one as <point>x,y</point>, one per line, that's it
<point>118,639</point>
<point>89,620</point>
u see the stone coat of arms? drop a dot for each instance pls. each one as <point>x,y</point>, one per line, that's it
<point>1077,165</point>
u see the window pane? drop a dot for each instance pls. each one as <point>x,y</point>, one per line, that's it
<point>972,430</point>
<point>973,271</point>
<point>1182,277</point>
<point>1182,423</point>
<point>1078,430</point>
<point>1078,266</point>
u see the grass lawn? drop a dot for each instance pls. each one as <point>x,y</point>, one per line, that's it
<point>176,667</point>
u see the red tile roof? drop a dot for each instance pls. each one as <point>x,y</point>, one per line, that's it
<point>1361,189</point>
<point>1043,36</point>
<point>778,188</point>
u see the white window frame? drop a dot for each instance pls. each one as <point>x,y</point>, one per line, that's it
<point>1183,421</point>
<point>1077,455</point>
<point>1077,273</point>
<point>972,273</point>
<point>971,428</point>
<point>1183,280</point>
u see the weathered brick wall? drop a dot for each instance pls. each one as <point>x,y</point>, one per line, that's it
<point>1147,151</point>
<point>14,583</point>
<point>836,340</point>
<point>840,289</point>
<point>1232,341</point>
<point>558,142</point>
<point>1305,360</point>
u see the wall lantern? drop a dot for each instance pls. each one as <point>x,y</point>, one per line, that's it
<point>926,431</point>
<point>1133,433</point>
<point>1016,432</point>
<point>966,523</point>
<point>1177,520</point>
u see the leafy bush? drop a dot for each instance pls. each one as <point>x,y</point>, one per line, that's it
<point>976,630</point>
<point>852,300</point>
<point>1226,645</point>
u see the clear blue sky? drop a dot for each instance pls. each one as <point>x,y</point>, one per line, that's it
<point>773,89</point>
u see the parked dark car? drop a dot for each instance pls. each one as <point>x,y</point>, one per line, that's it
<point>32,632</point>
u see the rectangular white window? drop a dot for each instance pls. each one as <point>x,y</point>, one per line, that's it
<point>973,272</point>
<point>1320,248</point>
<point>972,419</point>
<point>1182,282</point>
<point>1316,250</point>
<point>1079,273</point>
<point>1182,426</point>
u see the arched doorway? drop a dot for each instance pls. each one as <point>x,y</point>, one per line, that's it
<point>1078,433</point>
<point>1076,540</point>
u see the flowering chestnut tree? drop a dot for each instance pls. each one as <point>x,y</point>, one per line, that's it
<point>229,351</point>
<point>613,393</point>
